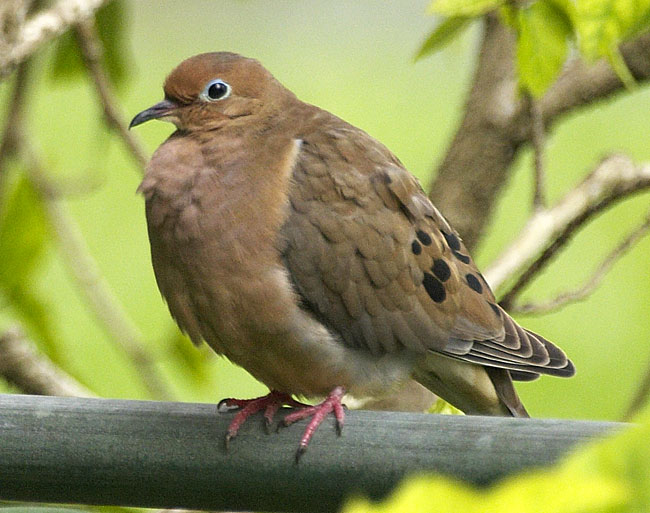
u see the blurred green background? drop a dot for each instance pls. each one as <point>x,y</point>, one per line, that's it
<point>356,60</point>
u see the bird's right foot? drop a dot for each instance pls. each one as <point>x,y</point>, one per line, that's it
<point>270,403</point>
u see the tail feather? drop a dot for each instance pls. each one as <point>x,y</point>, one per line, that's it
<point>502,381</point>
<point>474,389</point>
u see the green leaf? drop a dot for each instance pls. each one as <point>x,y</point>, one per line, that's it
<point>34,314</point>
<point>557,491</point>
<point>112,31</point>
<point>443,407</point>
<point>603,24</point>
<point>542,46</point>
<point>23,233</point>
<point>442,35</point>
<point>194,360</point>
<point>617,63</point>
<point>455,8</point>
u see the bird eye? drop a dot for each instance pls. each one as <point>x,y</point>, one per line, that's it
<point>215,90</point>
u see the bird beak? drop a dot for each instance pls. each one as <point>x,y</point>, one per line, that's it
<point>159,110</point>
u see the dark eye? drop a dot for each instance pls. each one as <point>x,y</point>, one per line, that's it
<point>215,90</point>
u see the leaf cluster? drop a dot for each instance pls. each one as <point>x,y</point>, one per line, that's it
<point>610,476</point>
<point>546,30</point>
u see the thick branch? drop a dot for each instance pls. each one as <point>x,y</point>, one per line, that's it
<point>547,230</point>
<point>42,28</point>
<point>476,164</point>
<point>22,366</point>
<point>497,123</point>
<point>151,454</point>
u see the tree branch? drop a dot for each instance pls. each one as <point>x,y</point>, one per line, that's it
<point>582,84</point>
<point>91,51</point>
<point>548,230</point>
<point>497,123</point>
<point>640,397</point>
<point>81,263</point>
<point>92,284</point>
<point>538,142</point>
<point>42,28</point>
<point>475,166</point>
<point>592,283</point>
<point>22,366</point>
<point>14,117</point>
<point>97,449</point>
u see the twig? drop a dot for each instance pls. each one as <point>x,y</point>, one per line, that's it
<point>82,265</point>
<point>91,51</point>
<point>548,230</point>
<point>22,366</point>
<point>592,283</point>
<point>102,302</point>
<point>538,142</point>
<point>14,115</point>
<point>640,397</point>
<point>44,27</point>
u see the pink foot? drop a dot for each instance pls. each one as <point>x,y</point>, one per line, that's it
<point>318,413</point>
<point>270,403</point>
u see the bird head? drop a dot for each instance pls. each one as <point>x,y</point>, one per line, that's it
<point>212,90</point>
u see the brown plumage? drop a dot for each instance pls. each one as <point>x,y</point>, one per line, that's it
<point>301,248</point>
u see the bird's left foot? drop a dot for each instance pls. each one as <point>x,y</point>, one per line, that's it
<point>332,404</point>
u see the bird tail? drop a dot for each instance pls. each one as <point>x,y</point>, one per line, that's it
<point>502,381</point>
<point>474,389</point>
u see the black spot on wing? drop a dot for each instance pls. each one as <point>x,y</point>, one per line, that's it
<point>424,237</point>
<point>463,258</point>
<point>495,309</point>
<point>452,240</point>
<point>416,248</point>
<point>474,283</point>
<point>441,269</point>
<point>434,288</point>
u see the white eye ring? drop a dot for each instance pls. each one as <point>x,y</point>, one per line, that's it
<point>215,90</point>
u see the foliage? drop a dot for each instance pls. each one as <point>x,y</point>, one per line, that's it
<point>544,29</point>
<point>112,31</point>
<point>23,238</point>
<point>610,476</point>
<point>443,407</point>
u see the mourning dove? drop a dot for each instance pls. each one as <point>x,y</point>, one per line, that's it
<point>300,248</point>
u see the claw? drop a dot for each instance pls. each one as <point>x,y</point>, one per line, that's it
<point>332,404</point>
<point>302,449</point>
<point>270,403</point>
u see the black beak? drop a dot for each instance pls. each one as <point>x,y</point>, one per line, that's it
<point>161,109</point>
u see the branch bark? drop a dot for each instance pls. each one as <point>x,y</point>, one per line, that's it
<point>80,262</point>
<point>31,372</point>
<point>497,123</point>
<point>91,51</point>
<point>96,449</point>
<point>548,230</point>
<point>592,283</point>
<point>41,28</point>
<point>476,164</point>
